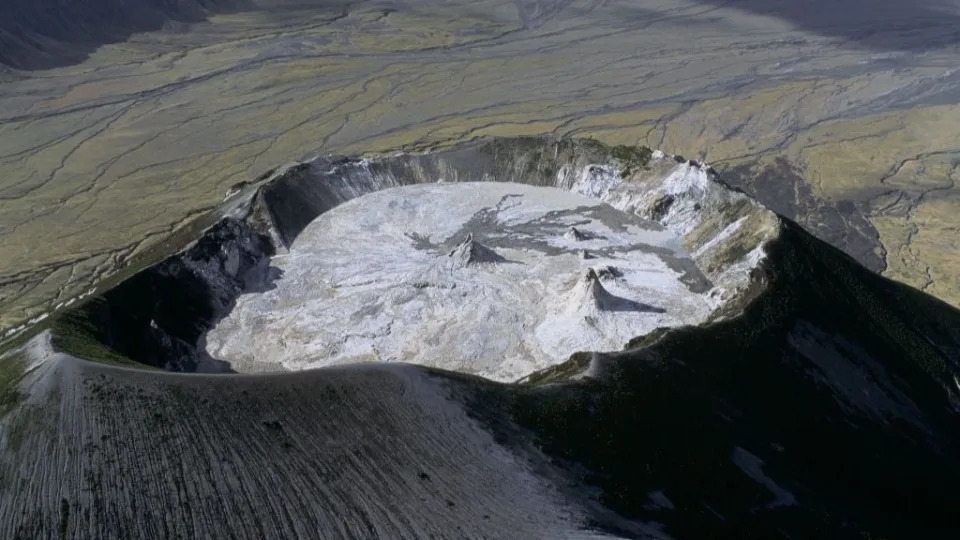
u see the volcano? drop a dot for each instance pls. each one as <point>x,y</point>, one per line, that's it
<point>421,350</point>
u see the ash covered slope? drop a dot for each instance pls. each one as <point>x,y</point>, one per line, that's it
<point>822,402</point>
<point>827,408</point>
<point>368,452</point>
<point>36,34</point>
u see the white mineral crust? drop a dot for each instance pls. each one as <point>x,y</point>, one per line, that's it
<point>483,278</point>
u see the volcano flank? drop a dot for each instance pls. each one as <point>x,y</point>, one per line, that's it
<point>513,337</point>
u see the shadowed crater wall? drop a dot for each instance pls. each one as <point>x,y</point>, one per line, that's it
<point>883,25</point>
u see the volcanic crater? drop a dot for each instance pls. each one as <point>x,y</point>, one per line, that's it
<point>499,258</point>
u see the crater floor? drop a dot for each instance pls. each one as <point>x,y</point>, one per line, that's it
<point>494,279</point>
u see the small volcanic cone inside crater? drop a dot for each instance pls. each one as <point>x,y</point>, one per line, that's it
<point>576,234</point>
<point>589,297</point>
<point>470,252</point>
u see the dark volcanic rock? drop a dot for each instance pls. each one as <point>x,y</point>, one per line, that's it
<point>660,207</point>
<point>576,234</point>
<point>159,315</point>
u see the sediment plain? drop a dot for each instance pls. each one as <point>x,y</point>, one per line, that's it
<point>841,115</point>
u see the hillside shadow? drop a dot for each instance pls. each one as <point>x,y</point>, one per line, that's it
<point>44,34</point>
<point>882,25</point>
<point>607,301</point>
<point>620,304</point>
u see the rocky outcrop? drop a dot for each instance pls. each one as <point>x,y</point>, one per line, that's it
<point>159,316</point>
<point>576,235</point>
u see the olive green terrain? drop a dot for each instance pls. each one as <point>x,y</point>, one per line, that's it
<point>843,118</point>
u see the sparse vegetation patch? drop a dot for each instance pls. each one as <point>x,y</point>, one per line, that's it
<point>631,158</point>
<point>11,371</point>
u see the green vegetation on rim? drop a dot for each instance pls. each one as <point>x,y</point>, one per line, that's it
<point>78,336</point>
<point>647,339</point>
<point>632,158</point>
<point>575,365</point>
<point>12,368</point>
